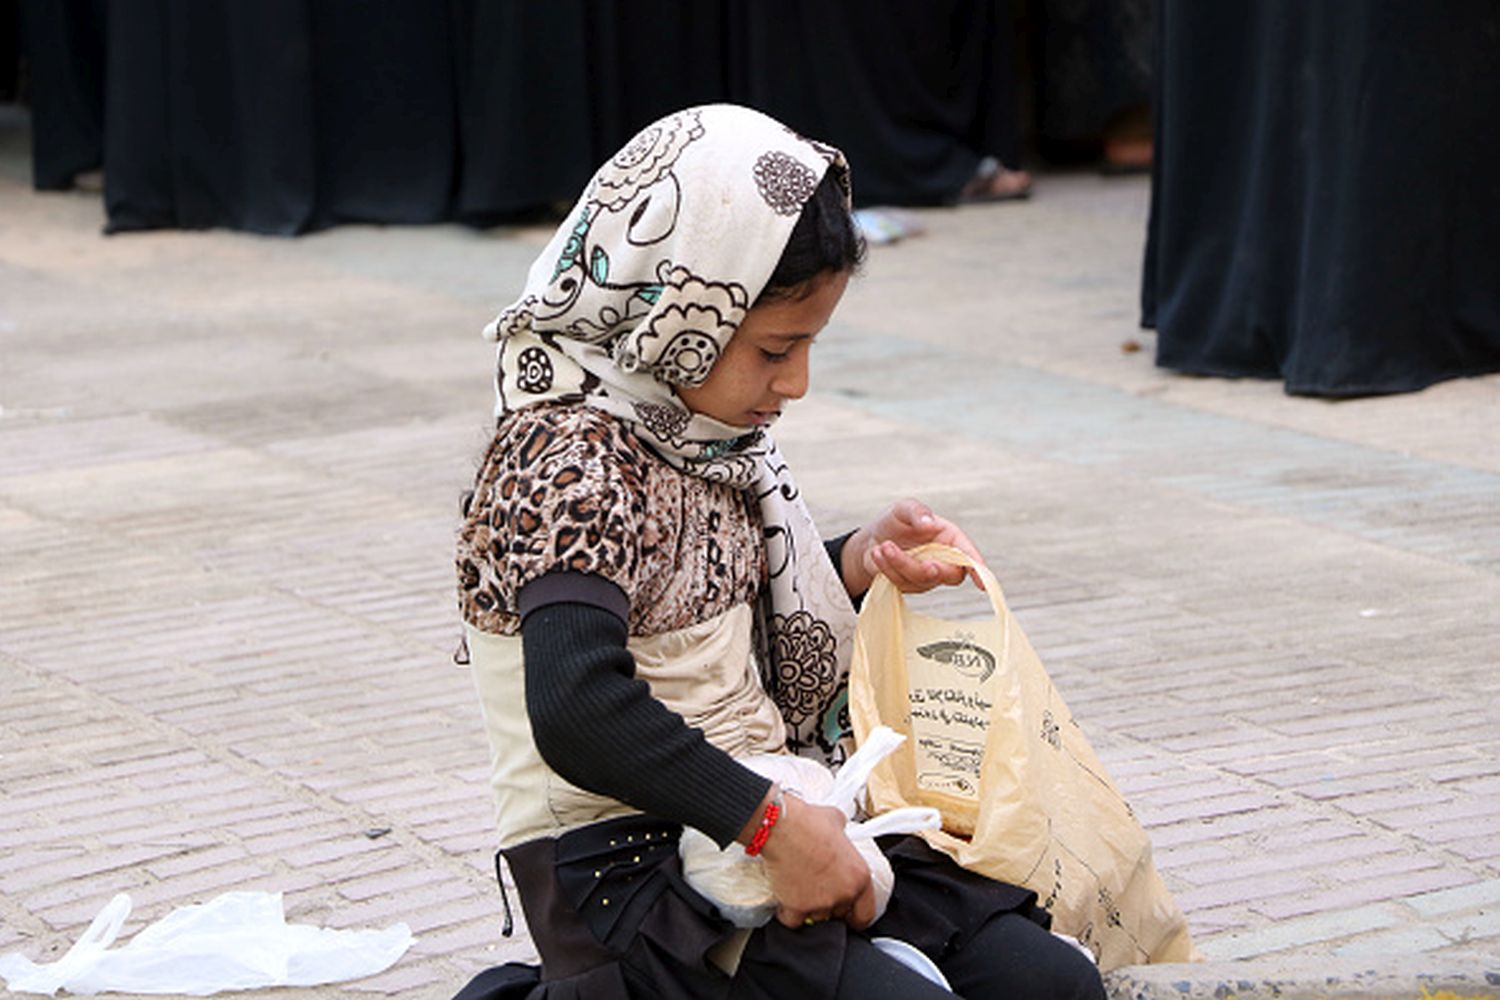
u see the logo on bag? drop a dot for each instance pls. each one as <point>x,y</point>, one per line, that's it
<point>963,654</point>
<point>952,784</point>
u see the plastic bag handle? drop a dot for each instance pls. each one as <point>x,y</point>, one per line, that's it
<point>939,552</point>
<point>908,819</point>
<point>79,959</point>
<point>849,783</point>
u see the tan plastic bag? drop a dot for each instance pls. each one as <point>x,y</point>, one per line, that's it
<point>1024,798</point>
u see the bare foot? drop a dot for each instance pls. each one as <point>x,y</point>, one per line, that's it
<point>1127,142</point>
<point>89,181</point>
<point>1127,155</point>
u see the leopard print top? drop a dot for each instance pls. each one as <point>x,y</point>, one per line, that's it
<point>566,487</point>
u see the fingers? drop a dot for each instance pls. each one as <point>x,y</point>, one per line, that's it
<point>815,871</point>
<point>910,523</point>
<point>910,574</point>
<point>862,913</point>
<point>912,512</point>
<point>961,541</point>
<point>858,914</point>
<point>792,916</point>
<point>789,917</point>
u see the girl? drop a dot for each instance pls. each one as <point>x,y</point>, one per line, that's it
<point>646,598</point>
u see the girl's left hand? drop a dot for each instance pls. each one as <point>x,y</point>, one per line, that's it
<point>880,547</point>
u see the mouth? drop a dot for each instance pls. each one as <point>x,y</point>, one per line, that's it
<point>764,417</point>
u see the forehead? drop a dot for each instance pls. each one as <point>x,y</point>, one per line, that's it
<point>800,318</point>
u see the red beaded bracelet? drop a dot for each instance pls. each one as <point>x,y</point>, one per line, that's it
<point>767,821</point>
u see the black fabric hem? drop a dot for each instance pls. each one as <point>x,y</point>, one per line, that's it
<point>571,587</point>
<point>1321,389</point>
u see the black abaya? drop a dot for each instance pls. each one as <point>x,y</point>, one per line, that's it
<point>914,94</point>
<point>288,115</point>
<point>1326,193</point>
<point>277,117</point>
<point>64,44</point>
<point>549,91</point>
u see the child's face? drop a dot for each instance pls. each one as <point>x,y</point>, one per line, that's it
<point>765,363</point>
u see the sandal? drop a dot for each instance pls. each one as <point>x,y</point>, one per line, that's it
<point>993,181</point>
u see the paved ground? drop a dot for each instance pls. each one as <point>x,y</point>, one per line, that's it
<point>229,470</point>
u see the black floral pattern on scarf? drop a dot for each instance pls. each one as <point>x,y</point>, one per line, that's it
<point>516,319</point>
<point>806,665</point>
<point>534,371</point>
<point>648,158</point>
<point>712,464</point>
<point>688,356</point>
<point>783,182</point>
<point>680,339</point>
<point>666,422</point>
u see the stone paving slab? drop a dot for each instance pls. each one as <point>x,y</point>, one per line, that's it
<point>229,470</point>
<point>1306,979</point>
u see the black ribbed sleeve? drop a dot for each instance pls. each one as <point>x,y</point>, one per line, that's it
<point>835,549</point>
<point>599,727</point>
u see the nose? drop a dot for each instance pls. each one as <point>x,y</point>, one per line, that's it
<point>792,378</point>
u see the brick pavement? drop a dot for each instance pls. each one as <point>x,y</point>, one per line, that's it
<point>228,478</point>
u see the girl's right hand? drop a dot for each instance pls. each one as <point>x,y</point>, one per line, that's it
<point>815,872</point>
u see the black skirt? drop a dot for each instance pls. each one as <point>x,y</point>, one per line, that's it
<point>612,918</point>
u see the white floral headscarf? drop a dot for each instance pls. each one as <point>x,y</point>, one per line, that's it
<point>639,291</point>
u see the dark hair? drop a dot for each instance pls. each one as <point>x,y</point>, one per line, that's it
<point>824,240</point>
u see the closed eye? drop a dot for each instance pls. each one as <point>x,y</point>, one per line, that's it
<point>774,356</point>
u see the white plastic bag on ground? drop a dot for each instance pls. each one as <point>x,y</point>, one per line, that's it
<point>236,941</point>
<point>737,883</point>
